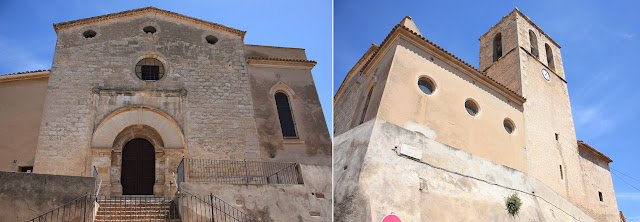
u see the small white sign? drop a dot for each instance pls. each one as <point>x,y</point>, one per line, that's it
<point>410,151</point>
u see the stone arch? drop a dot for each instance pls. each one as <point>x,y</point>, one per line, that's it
<point>160,128</point>
<point>138,131</point>
<point>281,87</point>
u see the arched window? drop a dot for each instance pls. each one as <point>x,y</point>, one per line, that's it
<point>284,113</point>
<point>549,57</point>
<point>497,47</point>
<point>366,106</point>
<point>534,43</point>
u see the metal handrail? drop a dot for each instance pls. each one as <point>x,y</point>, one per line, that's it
<point>238,172</point>
<point>218,205</point>
<point>79,209</point>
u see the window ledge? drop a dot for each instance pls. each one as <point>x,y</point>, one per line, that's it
<point>292,141</point>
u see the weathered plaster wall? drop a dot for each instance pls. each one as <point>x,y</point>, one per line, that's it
<point>21,104</point>
<point>205,89</point>
<point>277,202</point>
<point>313,145</point>
<point>349,106</point>
<point>372,180</point>
<point>26,195</point>
<point>442,115</point>
<point>597,178</point>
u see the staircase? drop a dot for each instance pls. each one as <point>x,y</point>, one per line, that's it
<point>136,208</point>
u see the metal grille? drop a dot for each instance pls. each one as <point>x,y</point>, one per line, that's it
<point>150,69</point>
<point>239,172</point>
<point>77,210</point>
<point>184,207</point>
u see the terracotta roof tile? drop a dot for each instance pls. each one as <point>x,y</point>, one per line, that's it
<point>399,26</point>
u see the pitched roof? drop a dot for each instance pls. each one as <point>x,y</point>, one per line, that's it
<point>24,75</point>
<point>140,11</point>
<point>472,71</point>
<point>582,144</point>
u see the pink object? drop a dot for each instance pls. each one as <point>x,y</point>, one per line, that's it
<point>391,218</point>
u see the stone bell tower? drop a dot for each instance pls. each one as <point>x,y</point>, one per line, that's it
<point>518,54</point>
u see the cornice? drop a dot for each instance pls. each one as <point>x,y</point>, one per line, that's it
<point>526,18</point>
<point>583,145</point>
<point>24,75</point>
<point>140,11</point>
<point>405,33</point>
<point>281,63</point>
<point>353,70</point>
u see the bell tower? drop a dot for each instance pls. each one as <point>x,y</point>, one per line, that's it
<point>518,54</point>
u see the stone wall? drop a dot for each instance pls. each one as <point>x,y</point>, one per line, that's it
<point>372,180</point>
<point>310,201</point>
<point>92,78</point>
<point>21,103</point>
<point>313,144</point>
<point>26,195</point>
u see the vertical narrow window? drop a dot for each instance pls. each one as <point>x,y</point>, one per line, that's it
<point>561,176</point>
<point>533,40</point>
<point>557,136</point>
<point>366,106</point>
<point>600,195</point>
<point>497,47</point>
<point>284,113</point>
<point>549,57</point>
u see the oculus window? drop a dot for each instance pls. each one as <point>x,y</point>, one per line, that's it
<point>150,69</point>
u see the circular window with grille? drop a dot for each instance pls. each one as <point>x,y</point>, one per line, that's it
<point>150,69</point>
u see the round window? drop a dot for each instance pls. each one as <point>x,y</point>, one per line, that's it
<point>471,107</point>
<point>150,69</point>
<point>149,29</point>
<point>211,39</point>
<point>89,34</point>
<point>508,126</point>
<point>426,86</point>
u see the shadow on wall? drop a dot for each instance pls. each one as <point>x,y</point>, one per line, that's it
<point>26,195</point>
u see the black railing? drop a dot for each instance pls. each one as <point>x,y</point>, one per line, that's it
<point>238,172</point>
<point>184,207</point>
<point>78,210</point>
<point>209,208</point>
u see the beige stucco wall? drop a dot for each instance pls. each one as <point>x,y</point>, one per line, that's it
<point>313,145</point>
<point>371,180</point>
<point>21,104</point>
<point>282,202</point>
<point>597,178</point>
<point>442,115</point>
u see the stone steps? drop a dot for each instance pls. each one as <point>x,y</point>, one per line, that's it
<point>134,208</point>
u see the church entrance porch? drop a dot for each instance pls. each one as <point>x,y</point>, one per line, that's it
<point>138,168</point>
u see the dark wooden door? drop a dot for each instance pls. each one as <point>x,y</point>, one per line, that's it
<point>138,168</point>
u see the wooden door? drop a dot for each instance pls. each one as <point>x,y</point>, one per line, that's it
<point>138,168</point>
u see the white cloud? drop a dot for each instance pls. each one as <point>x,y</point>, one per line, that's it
<point>626,35</point>
<point>629,196</point>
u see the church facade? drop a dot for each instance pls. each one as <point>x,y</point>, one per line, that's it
<point>434,132</point>
<point>131,94</point>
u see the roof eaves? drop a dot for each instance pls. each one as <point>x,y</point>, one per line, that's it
<point>134,12</point>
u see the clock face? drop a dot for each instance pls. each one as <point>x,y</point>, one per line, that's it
<point>545,74</point>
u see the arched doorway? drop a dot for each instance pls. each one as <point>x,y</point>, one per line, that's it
<point>138,167</point>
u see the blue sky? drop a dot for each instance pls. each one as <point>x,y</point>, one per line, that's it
<point>27,38</point>
<point>600,49</point>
